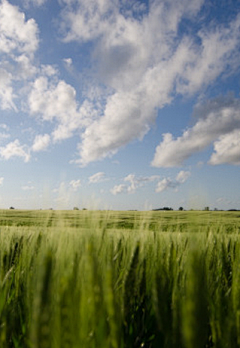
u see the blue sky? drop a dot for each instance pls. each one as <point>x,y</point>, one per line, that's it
<point>119,104</point>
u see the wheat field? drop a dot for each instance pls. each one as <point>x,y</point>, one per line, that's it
<point>105,279</point>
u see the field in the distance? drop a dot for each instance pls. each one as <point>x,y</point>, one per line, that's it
<point>82,279</point>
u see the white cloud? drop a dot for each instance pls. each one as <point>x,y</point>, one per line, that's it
<point>165,184</point>
<point>96,178</point>
<point>14,149</point>
<point>1,180</point>
<point>217,118</point>
<point>24,69</point>
<point>48,70</point>
<point>144,63</point>
<point>17,33</point>
<point>68,61</point>
<point>182,176</point>
<point>41,142</point>
<point>66,189</point>
<point>134,183</point>
<point>217,50</point>
<point>227,149</point>
<point>6,91</point>
<point>168,183</point>
<point>57,101</point>
<point>88,21</point>
<point>118,189</point>
<point>142,60</point>
<point>75,184</point>
<point>18,42</point>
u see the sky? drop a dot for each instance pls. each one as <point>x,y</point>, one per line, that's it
<point>119,104</point>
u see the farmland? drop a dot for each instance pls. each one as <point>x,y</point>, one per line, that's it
<point>99,279</point>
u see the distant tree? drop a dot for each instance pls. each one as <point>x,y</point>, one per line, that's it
<point>206,208</point>
<point>84,209</point>
<point>164,208</point>
<point>75,208</point>
<point>11,208</point>
<point>180,208</point>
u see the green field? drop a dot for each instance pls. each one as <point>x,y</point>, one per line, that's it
<point>105,279</point>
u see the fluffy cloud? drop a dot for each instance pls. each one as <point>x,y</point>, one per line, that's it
<point>118,189</point>
<point>217,119</point>
<point>133,183</point>
<point>165,184</point>
<point>168,183</point>
<point>143,61</point>
<point>96,178</point>
<point>75,184</point>
<point>57,101</point>
<point>182,176</point>
<point>14,149</point>
<point>41,142</point>
<point>18,43</point>
<point>1,180</point>
<point>17,34</point>
<point>227,149</point>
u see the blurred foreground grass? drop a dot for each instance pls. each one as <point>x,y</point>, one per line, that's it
<point>119,279</point>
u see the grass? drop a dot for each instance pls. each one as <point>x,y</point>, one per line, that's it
<point>119,279</point>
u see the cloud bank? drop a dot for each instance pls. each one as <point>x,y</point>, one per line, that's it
<point>145,61</point>
<point>218,122</point>
<point>141,56</point>
<point>132,183</point>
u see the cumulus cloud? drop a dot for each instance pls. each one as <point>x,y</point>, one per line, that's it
<point>67,189</point>
<point>218,120</point>
<point>1,180</point>
<point>164,184</point>
<point>118,189</point>
<point>182,176</point>
<point>18,42</point>
<point>41,142</point>
<point>227,149</point>
<point>14,149</point>
<point>141,58</point>
<point>57,102</point>
<point>168,183</point>
<point>96,178</point>
<point>75,184</point>
<point>133,183</point>
<point>17,33</point>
